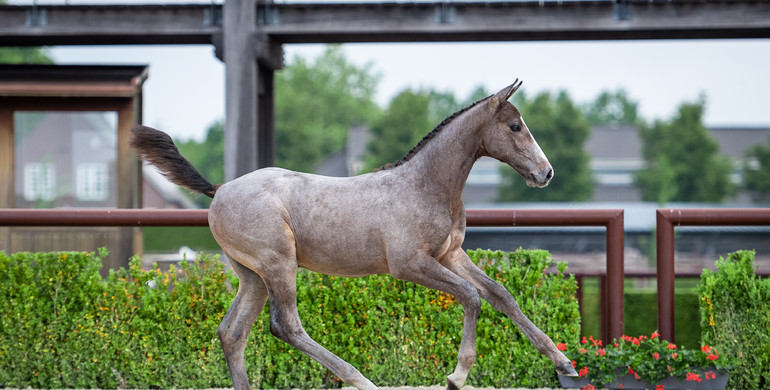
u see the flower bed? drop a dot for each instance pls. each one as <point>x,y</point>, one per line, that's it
<point>643,363</point>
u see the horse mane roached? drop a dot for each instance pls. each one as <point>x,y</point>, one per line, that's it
<point>157,148</point>
<point>424,141</point>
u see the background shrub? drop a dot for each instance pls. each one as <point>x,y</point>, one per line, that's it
<point>735,316</point>
<point>63,326</point>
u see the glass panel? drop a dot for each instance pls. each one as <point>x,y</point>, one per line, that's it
<point>65,159</point>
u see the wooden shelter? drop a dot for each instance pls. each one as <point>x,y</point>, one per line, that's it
<point>64,143</point>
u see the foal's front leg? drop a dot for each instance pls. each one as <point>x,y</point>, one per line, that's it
<point>502,300</point>
<point>426,271</point>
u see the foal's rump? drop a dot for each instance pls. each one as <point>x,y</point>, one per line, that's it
<point>328,225</point>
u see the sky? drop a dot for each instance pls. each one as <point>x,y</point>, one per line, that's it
<point>184,94</point>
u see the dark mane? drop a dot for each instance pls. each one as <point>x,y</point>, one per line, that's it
<point>424,141</point>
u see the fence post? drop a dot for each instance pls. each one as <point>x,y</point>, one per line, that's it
<point>665,272</point>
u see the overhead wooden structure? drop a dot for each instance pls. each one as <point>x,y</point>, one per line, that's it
<point>248,35</point>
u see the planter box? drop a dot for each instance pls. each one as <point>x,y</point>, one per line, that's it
<point>628,381</point>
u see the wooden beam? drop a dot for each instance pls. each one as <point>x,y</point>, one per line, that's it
<point>514,21</point>
<point>45,25</point>
<point>390,22</point>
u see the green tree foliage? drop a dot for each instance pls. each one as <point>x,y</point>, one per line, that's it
<point>406,120</point>
<point>316,103</point>
<point>207,157</point>
<point>756,172</point>
<point>561,129</point>
<point>24,55</point>
<point>612,108</point>
<point>682,160</point>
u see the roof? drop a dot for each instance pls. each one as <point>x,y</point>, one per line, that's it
<point>72,80</point>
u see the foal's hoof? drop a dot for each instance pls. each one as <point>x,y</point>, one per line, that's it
<point>450,385</point>
<point>566,369</point>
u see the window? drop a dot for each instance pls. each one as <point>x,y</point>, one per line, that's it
<point>39,182</point>
<point>65,158</point>
<point>92,182</point>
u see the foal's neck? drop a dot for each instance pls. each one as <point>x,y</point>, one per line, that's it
<point>443,165</point>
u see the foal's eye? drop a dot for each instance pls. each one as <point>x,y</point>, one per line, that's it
<point>516,128</point>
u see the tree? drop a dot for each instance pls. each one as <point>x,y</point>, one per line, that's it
<point>612,108</point>
<point>316,103</point>
<point>406,120</point>
<point>208,157</point>
<point>561,129</point>
<point>682,152</point>
<point>756,172</point>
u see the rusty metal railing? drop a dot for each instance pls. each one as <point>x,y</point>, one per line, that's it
<point>611,317</point>
<point>667,219</point>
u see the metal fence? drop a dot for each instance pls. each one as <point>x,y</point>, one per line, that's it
<point>612,296</point>
<point>667,219</point>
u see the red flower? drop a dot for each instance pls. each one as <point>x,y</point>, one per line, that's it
<point>600,352</point>
<point>655,335</point>
<point>630,370</point>
<point>583,350</point>
<point>585,340</point>
<point>561,346</point>
<point>691,376</point>
<point>674,355</point>
<point>574,364</point>
<point>660,387</point>
<point>656,356</point>
<point>616,345</point>
<point>706,349</point>
<point>712,357</point>
<point>588,387</point>
<point>671,346</point>
<point>583,372</point>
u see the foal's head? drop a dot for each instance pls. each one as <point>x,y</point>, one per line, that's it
<point>507,138</point>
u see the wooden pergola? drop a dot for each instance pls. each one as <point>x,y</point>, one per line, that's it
<point>248,36</point>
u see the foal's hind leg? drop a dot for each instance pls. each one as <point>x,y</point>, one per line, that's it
<point>502,300</point>
<point>286,325</point>
<point>235,327</point>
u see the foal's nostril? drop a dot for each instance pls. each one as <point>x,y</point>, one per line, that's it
<point>549,176</point>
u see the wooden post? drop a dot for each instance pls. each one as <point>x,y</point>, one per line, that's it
<point>250,60</point>
<point>241,78</point>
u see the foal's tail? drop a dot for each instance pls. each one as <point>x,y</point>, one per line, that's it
<point>157,148</point>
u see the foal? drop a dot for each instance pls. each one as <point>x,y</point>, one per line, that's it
<point>406,219</point>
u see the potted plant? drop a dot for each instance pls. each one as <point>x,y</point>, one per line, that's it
<point>644,363</point>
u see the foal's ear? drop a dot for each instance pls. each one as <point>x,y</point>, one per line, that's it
<point>501,97</point>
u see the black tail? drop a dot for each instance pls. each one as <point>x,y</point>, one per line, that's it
<point>157,148</point>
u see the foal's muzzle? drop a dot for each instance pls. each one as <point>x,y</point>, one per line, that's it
<point>540,178</point>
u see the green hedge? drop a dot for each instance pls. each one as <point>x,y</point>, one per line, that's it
<point>641,318</point>
<point>63,326</point>
<point>735,317</point>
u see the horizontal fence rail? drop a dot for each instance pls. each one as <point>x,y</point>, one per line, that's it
<point>667,219</point>
<point>612,300</point>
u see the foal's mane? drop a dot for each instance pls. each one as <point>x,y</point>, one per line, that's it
<point>424,141</point>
